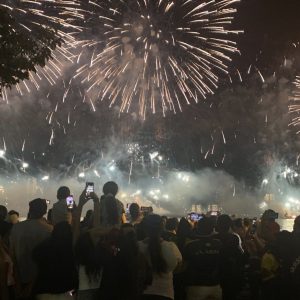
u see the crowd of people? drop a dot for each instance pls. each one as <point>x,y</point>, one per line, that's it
<point>143,256</point>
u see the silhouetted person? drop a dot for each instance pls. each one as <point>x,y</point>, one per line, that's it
<point>60,211</point>
<point>170,233</point>
<point>135,213</point>
<point>163,256</point>
<point>112,211</point>
<point>231,256</point>
<point>202,257</point>
<point>13,217</point>
<point>5,227</point>
<point>24,237</point>
<point>57,274</point>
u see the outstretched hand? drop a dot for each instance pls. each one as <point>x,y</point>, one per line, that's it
<point>94,196</point>
<point>83,199</point>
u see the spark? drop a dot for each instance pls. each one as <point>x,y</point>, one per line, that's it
<point>2,153</point>
<point>223,135</point>
<point>23,145</point>
<point>294,106</point>
<point>51,138</point>
<point>156,55</point>
<point>261,76</point>
<point>130,172</point>
<point>4,144</point>
<point>223,159</point>
<point>25,165</point>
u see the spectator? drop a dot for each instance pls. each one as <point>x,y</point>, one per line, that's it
<point>24,237</point>
<point>238,228</point>
<point>127,268</point>
<point>268,227</point>
<point>170,230</point>
<point>13,217</point>
<point>231,256</point>
<point>49,216</point>
<point>60,211</point>
<point>163,256</point>
<point>164,220</point>
<point>135,213</point>
<point>111,209</point>
<point>296,227</point>
<point>202,257</point>
<point>6,273</point>
<point>57,275</point>
<point>184,233</point>
<point>87,222</point>
<point>274,265</point>
<point>90,267</point>
<point>5,227</point>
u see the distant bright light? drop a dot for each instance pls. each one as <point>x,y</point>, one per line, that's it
<point>186,178</point>
<point>263,205</point>
<point>293,200</point>
<point>112,168</point>
<point>81,175</point>
<point>265,181</point>
<point>25,165</point>
<point>160,158</point>
<point>166,196</point>
<point>296,175</point>
<point>45,178</point>
<point>2,153</point>
<point>287,205</point>
<point>153,155</point>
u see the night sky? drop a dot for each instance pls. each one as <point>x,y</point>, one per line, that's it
<point>252,143</point>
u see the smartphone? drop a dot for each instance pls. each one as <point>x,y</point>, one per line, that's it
<point>195,217</point>
<point>70,202</point>
<point>89,188</point>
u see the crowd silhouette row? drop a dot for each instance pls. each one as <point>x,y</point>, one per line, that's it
<point>111,255</point>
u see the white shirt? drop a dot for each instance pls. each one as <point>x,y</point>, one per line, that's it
<point>162,284</point>
<point>84,281</point>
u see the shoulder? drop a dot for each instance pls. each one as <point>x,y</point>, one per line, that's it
<point>119,202</point>
<point>169,246</point>
<point>19,226</point>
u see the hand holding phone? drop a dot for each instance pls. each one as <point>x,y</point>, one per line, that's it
<point>70,202</point>
<point>89,188</point>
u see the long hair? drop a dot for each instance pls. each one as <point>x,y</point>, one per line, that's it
<point>87,255</point>
<point>184,231</point>
<point>62,237</point>
<point>154,227</point>
<point>111,209</point>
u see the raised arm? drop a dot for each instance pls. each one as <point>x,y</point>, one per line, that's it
<point>77,215</point>
<point>96,220</point>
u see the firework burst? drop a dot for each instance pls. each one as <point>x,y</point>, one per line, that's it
<point>294,107</point>
<point>50,27</point>
<point>157,53</point>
